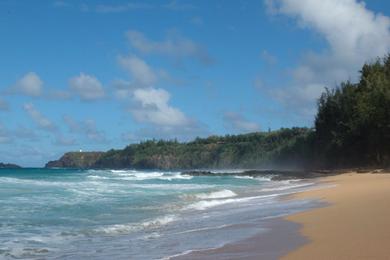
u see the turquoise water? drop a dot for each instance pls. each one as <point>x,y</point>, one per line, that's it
<point>78,214</point>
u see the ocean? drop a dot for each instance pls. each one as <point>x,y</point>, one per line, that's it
<point>129,214</point>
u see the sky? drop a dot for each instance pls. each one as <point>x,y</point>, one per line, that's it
<point>96,75</point>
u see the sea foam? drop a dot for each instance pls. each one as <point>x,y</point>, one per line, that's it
<point>131,227</point>
<point>216,194</point>
<point>133,175</point>
<point>205,204</point>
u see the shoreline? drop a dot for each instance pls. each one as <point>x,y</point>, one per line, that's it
<point>350,222</point>
<point>281,237</point>
<point>354,224</point>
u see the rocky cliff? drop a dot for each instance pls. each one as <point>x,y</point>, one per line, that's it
<point>80,160</point>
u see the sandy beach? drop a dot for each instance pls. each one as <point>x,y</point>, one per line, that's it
<point>355,224</point>
<point>351,223</point>
<point>272,245</point>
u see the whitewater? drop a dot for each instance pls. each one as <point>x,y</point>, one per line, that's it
<point>131,214</point>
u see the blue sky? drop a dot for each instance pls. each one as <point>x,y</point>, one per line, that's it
<point>95,75</point>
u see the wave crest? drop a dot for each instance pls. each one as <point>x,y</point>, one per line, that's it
<point>216,194</point>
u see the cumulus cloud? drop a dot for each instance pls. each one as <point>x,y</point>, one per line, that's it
<point>86,128</point>
<point>300,98</point>
<point>141,72</point>
<point>173,45</point>
<point>122,89</point>
<point>354,35</point>
<point>87,87</point>
<point>38,118</point>
<point>152,106</point>
<point>238,123</point>
<point>30,85</point>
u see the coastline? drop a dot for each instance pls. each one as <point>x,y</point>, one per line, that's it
<point>335,217</point>
<point>278,236</point>
<point>355,223</point>
<point>351,222</point>
<point>281,237</point>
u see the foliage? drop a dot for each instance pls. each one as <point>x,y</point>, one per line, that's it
<point>230,151</point>
<point>352,128</point>
<point>353,121</point>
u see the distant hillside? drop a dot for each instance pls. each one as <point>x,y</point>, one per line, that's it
<point>9,166</point>
<point>231,151</point>
<point>352,129</point>
<point>80,160</point>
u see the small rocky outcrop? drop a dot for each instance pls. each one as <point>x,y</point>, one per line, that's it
<point>79,160</point>
<point>9,166</point>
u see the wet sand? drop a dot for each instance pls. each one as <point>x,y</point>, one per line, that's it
<point>282,237</point>
<point>355,224</point>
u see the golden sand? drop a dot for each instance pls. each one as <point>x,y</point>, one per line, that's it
<point>355,224</point>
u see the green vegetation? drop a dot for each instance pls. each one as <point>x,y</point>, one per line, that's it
<point>231,151</point>
<point>76,160</point>
<point>352,128</point>
<point>353,121</point>
<point>285,148</point>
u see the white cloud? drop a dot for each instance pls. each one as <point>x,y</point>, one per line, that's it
<point>87,87</point>
<point>354,36</point>
<point>86,128</point>
<point>123,89</point>
<point>93,133</point>
<point>299,99</point>
<point>139,70</point>
<point>30,84</point>
<point>238,123</point>
<point>38,118</point>
<point>173,45</point>
<point>152,106</point>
